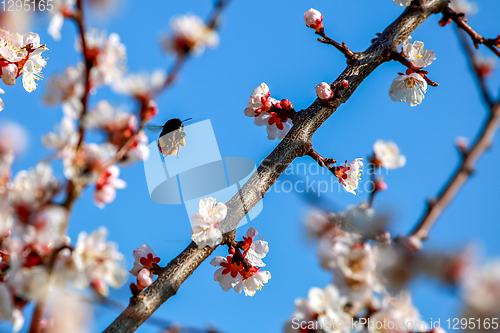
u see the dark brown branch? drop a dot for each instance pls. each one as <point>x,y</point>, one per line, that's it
<point>477,39</point>
<point>469,157</point>
<point>297,143</point>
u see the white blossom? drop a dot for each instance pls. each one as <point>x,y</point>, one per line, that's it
<point>416,54</point>
<point>32,69</point>
<point>349,175</point>
<point>402,3</point>
<point>408,88</point>
<point>206,223</point>
<point>387,153</point>
<point>254,283</point>
<point>258,250</point>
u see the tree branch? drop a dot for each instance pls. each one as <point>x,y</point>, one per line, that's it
<point>461,22</point>
<point>296,144</point>
<point>469,157</point>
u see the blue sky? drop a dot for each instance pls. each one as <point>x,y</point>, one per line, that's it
<point>262,41</point>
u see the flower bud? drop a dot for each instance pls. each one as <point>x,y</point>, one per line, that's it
<point>313,19</point>
<point>324,91</point>
<point>9,74</point>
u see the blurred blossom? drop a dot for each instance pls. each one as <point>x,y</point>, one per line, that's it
<point>67,88</point>
<point>8,311</point>
<point>99,262</point>
<point>481,291</point>
<point>61,8</point>
<point>387,155</point>
<point>464,6</point>
<point>13,138</point>
<point>16,20</point>
<point>120,127</point>
<point>30,190</point>
<point>64,138</point>
<point>324,306</point>
<point>106,186</point>
<point>484,66</point>
<point>88,161</point>
<point>109,56</point>
<point>396,310</point>
<point>140,86</point>
<point>68,312</point>
<point>189,35</point>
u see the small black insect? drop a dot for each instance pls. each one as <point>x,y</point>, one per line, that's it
<point>172,136</point>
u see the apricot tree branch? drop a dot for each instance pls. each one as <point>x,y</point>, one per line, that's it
<point>296,143</point>
<point>477,39</point>
<point>469,156</point>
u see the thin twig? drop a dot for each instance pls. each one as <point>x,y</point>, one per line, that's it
<point>469,157</point>
<point>341,47</point>
<point>477,39</point>
<point>479,78</point>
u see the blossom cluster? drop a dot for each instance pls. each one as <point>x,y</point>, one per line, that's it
<point>206,223</point>
<point>269,112</point>
<point>190,35</point>
<point>359,289</point>
<point>240,270</point>
<point>35,251</point>
<point>410,87</point>
<point>21,55</point>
